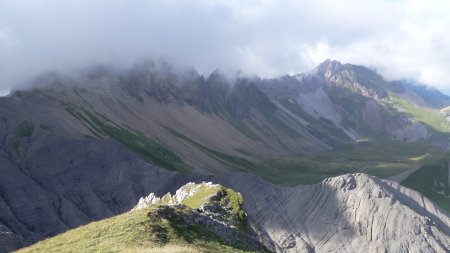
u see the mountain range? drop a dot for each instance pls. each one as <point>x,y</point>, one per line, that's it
<point>84,147</point>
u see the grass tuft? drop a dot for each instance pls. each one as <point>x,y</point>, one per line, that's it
<point>25,129</point>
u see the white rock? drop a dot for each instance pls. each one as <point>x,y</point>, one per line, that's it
<point>146,201</point>
<point>181,194</point>
<point>349,213</point>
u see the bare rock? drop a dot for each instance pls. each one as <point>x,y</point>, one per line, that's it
<point>349,213</point>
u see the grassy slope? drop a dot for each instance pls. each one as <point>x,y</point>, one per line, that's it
<point>24,129</point>
<point>371,158</point>
<point>144,231</point>
<point>432,181</point>
<point>149,149</point>
<point>432,178</point>
<point>134,232</point>
<point>430,117</point>
<point>380,158</point>
<point>201,196</point>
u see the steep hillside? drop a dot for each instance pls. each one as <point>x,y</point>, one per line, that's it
<point>433,179</point>
<point>78,148</point>
<point>198,218</point>
<point>348,213</point>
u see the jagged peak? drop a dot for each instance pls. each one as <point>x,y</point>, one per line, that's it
<point>183,195</point>
<point>218,76</point>
<point>330,68</point>
<point>335,66</point>
<point>330,65</point>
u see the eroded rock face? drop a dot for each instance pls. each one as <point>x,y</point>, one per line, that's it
<point>403,129</point>
<point>51,194</point>
<point>349,213</point>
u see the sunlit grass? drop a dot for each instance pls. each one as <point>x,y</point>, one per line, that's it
<point>428,116</point>
<point>420,158</point>
<point>137,231</point>
<point>382,160</point>
<point>201,196</point>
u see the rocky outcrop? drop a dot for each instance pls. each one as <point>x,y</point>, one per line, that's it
<point>213,201</point>
<point>349,213</point>
<point>205,205</point>
<point>188,190</point>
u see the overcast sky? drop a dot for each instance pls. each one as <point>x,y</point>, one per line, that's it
<point>400,38</point>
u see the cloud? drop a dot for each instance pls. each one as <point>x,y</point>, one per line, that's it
<point>401,39</point>
<point>7,40</point>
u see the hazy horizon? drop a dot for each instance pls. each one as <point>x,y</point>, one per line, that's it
<point>401,39</point>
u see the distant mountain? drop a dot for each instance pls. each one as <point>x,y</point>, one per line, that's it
<point>421,94</point>
<point>84,147</point>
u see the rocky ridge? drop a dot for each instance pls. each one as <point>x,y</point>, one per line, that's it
<point>186,191</point>
<point>213,203</point>
<point>348,213</point>
<point>197,214</point>
<point>213,207</point>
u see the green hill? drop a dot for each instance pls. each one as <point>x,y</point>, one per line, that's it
<point>208,219</point>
